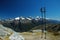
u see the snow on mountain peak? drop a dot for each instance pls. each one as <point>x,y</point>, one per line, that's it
<point>37,17</point>
<point>22,18</point>
<point>28,18</point>
<point>17,18</point>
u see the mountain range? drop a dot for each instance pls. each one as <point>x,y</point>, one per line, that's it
<point>22,24</point>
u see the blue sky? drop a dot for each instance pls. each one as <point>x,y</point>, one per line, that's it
<point>15,8</point>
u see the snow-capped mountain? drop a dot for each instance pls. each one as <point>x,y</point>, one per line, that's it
<point>21,23</point>
<point>22,18</point>
<point>37,18</point>
<point>17,18</point>
<point>29,19</point>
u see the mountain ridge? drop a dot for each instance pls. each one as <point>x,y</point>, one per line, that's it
<point>21,25</point>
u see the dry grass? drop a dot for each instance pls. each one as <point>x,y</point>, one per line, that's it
<point>36,36</point>
<point>6,38</point>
